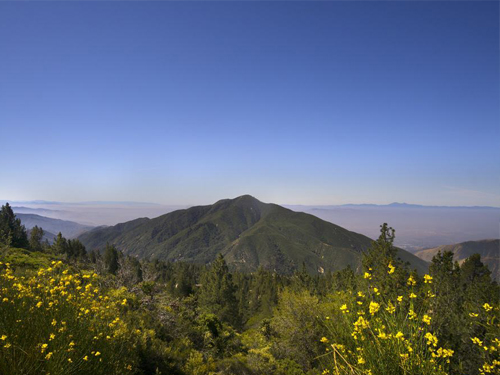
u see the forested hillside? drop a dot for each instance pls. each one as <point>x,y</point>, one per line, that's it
<point>250,234</point>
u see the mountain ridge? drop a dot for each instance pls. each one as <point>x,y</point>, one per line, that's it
<point>69,229</point>
<point>249,233</point>
<point>489,249</point>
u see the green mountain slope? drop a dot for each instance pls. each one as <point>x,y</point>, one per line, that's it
<point>488,249</point>
<point>247,232</point>
<point>69,229</point>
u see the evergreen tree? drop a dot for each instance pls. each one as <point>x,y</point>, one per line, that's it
<point>111,259</point>
<point>302,280</point>
<point>12,232</point>
<point>60,245</point>
<point>477,284</point>
<point>344,279</point>
<point>381,264</point>
<point>93,256</point>
<point>264,293</point>
<point>447,306</point>
<point>36,235</point>
<point>76,250</point>
<point>217,293</point>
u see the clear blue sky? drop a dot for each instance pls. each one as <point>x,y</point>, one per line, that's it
<point>292,102</point>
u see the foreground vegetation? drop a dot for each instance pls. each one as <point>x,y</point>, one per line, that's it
<point>64,310</point>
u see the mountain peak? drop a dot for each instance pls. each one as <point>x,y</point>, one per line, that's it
<point>250,234</point>
<point>247,198</point>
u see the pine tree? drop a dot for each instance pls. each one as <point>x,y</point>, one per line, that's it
<point>217,293</point>
<point>60,245</point>
<point>381,264</point>
<point>447,306</point>
<point>12,232</point>
<point>76,250</point>
<point>111,259</point>
<point>36,236</point>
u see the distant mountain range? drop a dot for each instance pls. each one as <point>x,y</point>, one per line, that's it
<point>390,205</point>
<point>488,249</point>
<point>50,203</point>
<point>249,233</point>
<point>69,229</point>
<point>417,227</point>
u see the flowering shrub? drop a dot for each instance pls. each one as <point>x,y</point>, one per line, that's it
<point>59,322</point>
<point>372,333</point>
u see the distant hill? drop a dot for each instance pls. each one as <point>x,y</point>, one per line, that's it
<point>488,249</point>
<point>69,229</point>
<point>247,232</point>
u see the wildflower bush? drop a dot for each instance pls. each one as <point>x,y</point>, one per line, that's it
<point>373,334</point>
<point>389,325</point>
<point>58,322</point>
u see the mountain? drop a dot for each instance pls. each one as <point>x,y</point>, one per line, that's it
<point>488,249</point>
<point>69,229</point>
<point>247,232</point>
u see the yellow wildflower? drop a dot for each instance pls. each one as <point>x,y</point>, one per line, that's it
<point>391,268</point>
<point>487,307</point>
<point>475,340</point>
<point>426,319</point>
<point>431,339</point>
<point>382,335</point>
<point>324,339</point>
<point>411,281</point>
<point>374,307</point>
<point>367,276</point>
<point>411,314</point>
<point>390,308</point>
<point>428,279</point>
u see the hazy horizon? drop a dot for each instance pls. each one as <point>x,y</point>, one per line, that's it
<point>417,227</point>
<point>288,204</point>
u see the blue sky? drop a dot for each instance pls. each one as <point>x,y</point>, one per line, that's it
<point>292,102</point>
